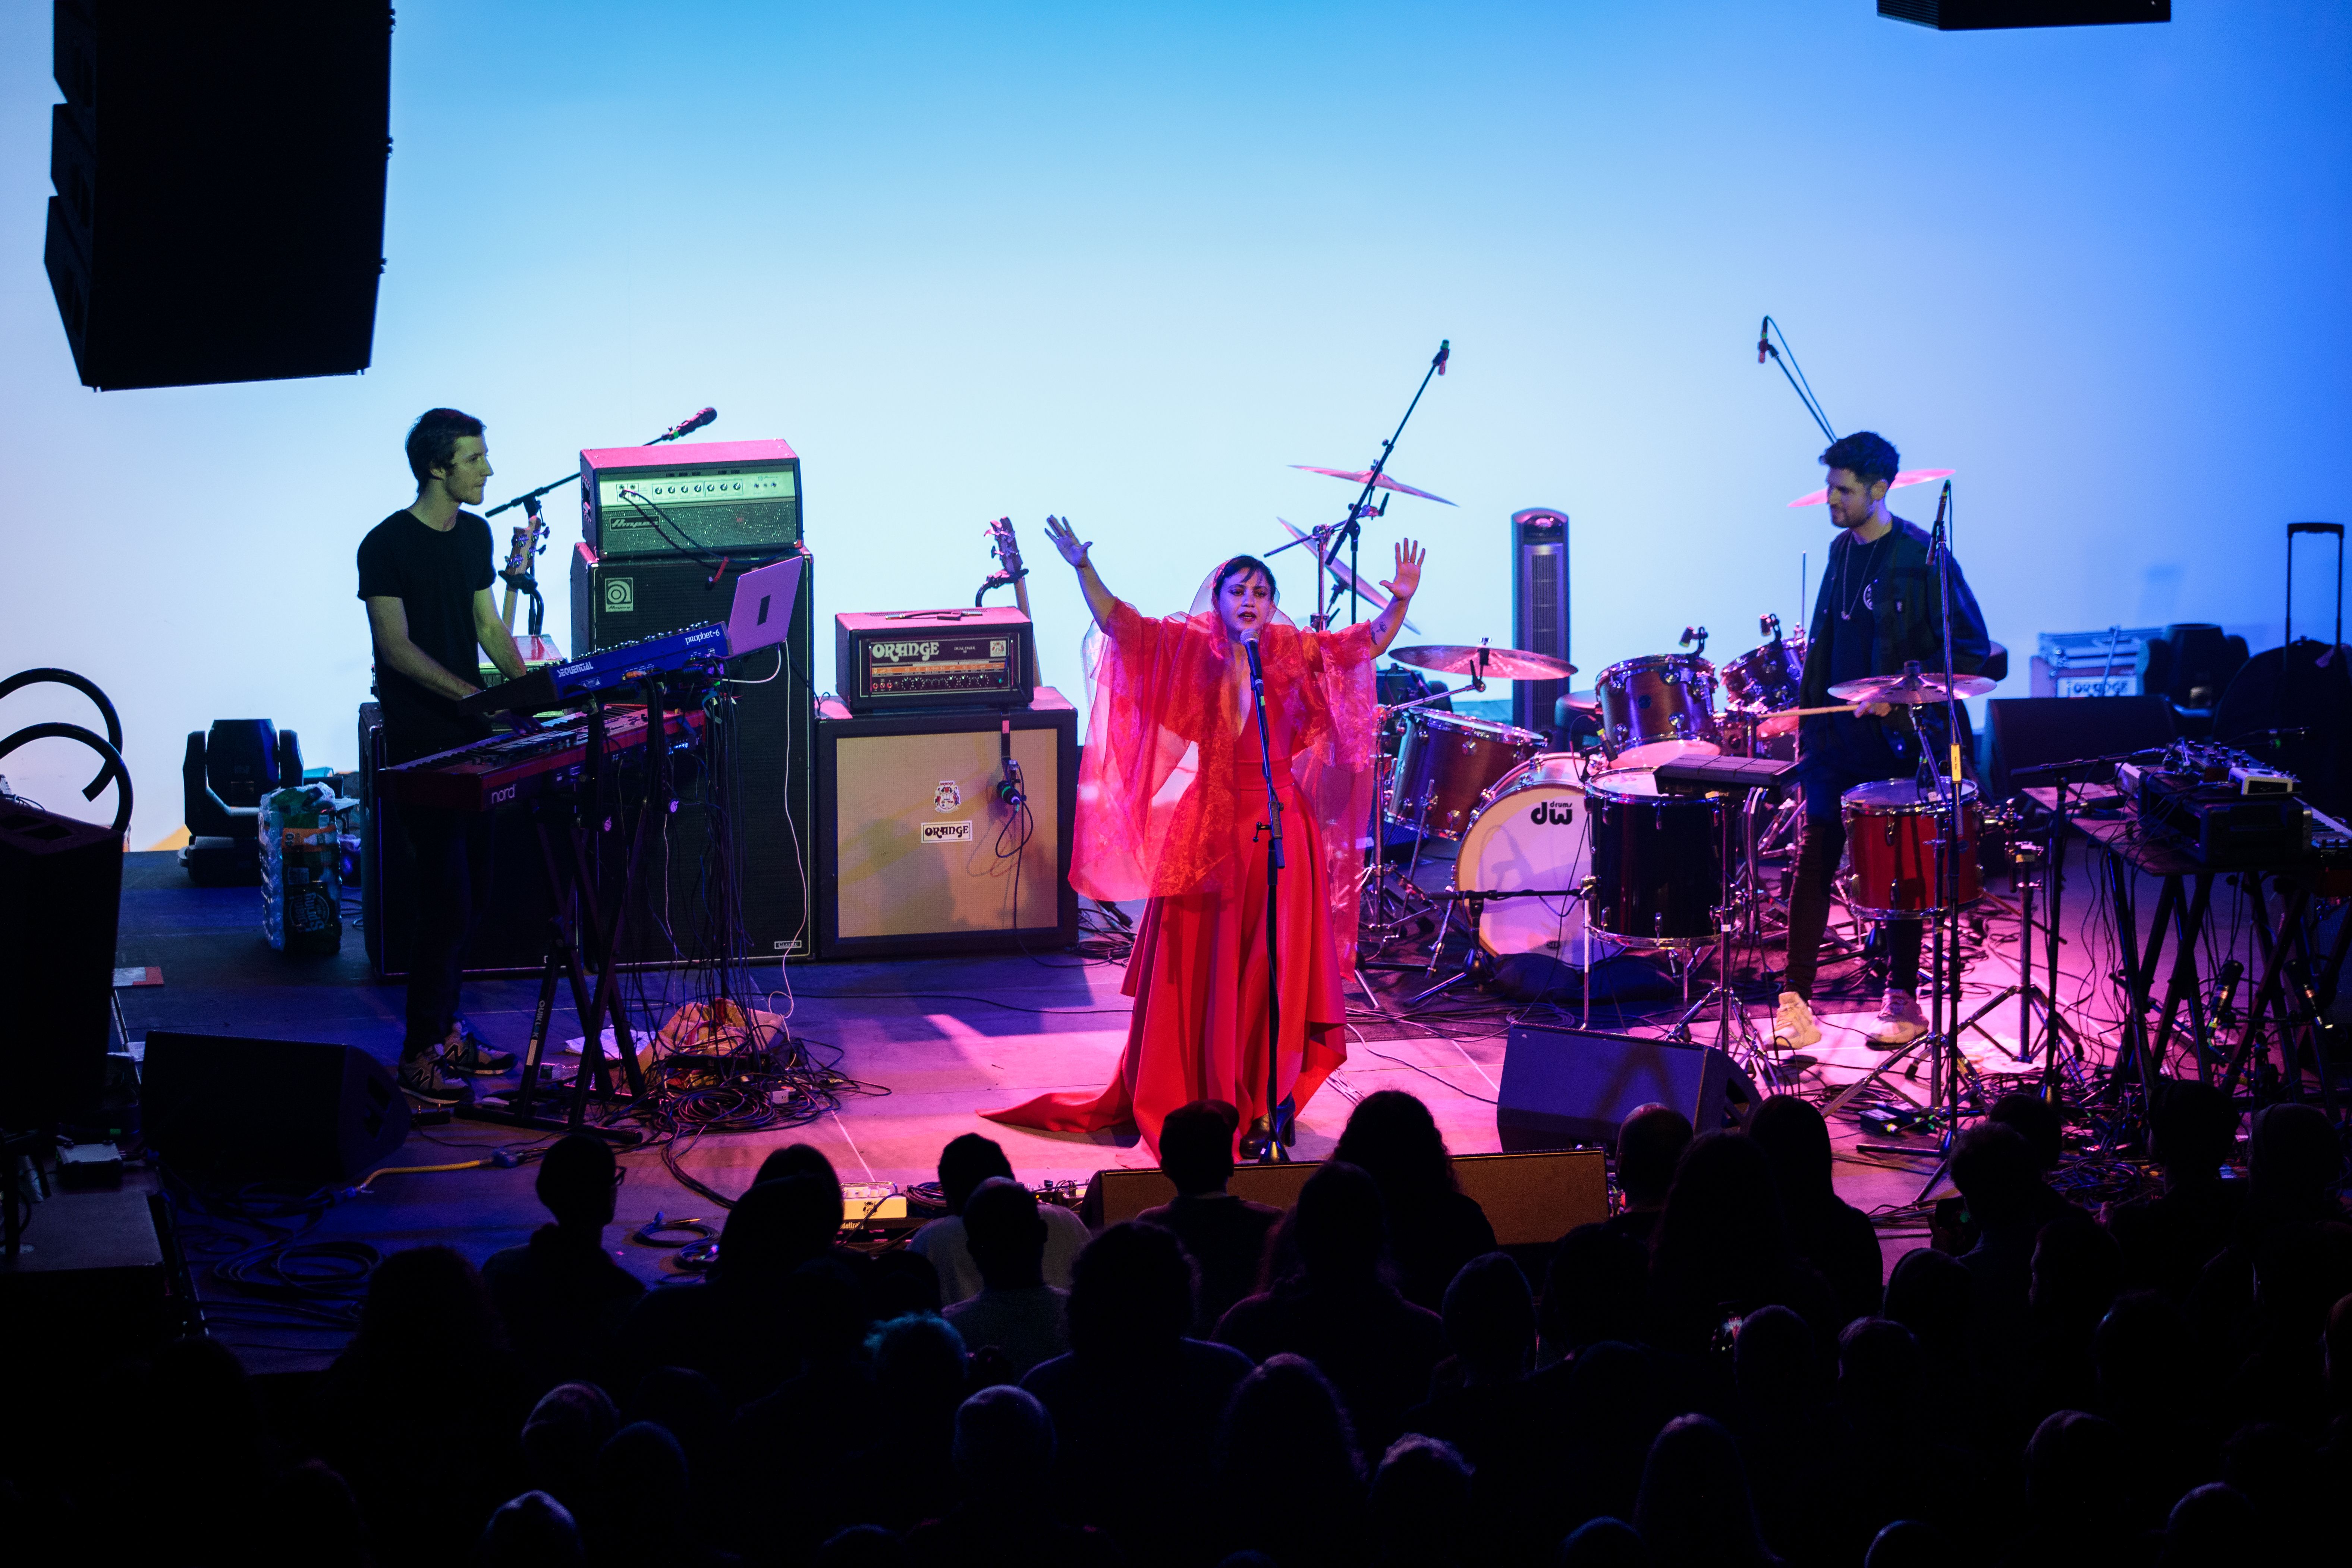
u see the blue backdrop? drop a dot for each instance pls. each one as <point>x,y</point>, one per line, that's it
<point>1128,265</point>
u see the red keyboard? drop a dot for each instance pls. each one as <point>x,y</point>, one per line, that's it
<point>506,769</point>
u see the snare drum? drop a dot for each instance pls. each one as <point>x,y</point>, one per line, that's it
<point>1768,679</point>
<point>1532,831</point>
<point>1893,838</point>
<point>1446,762</point>
<point>1657,860</point>
<point>1658,708</point>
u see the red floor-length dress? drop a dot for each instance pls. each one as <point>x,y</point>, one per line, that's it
<point>1171,796</point>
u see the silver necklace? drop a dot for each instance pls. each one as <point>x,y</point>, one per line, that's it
<point>1847,607</point>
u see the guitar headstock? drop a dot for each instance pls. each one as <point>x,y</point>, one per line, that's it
<point>1006,549</point>
<point>529,542</point>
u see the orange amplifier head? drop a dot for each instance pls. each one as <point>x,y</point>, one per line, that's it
<point>984,658</point>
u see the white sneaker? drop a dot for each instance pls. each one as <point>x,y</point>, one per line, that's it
<point>1792,1025</point>
<point>1899,1022</point>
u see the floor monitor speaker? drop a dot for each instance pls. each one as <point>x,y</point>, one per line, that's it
<point>228,1108</point>
<point>1533,1197</point>
<point>1564,1086</point>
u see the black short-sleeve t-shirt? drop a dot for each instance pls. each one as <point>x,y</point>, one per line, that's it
<point>434,576</point>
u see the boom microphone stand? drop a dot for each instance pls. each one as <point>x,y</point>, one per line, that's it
<point>1361,508</point>
<point>1270,1136</point>
<point>529,499</point>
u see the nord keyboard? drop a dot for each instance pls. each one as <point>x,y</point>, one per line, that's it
<point>1721,772</point>
<point>510,768</point>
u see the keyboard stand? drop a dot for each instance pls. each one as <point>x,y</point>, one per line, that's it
<point>596,1077</point>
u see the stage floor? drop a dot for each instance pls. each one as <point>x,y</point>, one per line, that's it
<point>947,1039</point>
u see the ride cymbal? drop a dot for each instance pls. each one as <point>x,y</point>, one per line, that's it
<point>1498,663</point>
<point>1910,690</point>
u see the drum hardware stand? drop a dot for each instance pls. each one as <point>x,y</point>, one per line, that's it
<point>1269,1137</point>
<point>1738,1043</point>
<point>1476,960</point>
<point>1351,531</point>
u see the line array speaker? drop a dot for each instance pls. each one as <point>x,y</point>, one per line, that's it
<point>916,842</point>
<point>1529,1198</point>
<point>232,1107</point>
<point>1575,1086</point>
<point>220,176</point>
<point>621,601</point>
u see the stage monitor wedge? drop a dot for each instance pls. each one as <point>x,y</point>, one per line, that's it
<point>1976,16</point>
<point>220,177</point>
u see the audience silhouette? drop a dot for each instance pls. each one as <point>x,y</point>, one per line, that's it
<point>1714,1375</point>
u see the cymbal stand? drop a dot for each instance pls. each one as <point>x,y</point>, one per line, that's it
<point>1384,889</point>
<point>1351,531</point>
<point>1475,961</point>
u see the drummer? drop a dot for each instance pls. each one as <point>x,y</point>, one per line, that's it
<point>1878,607</point>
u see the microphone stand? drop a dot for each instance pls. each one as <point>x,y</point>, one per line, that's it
<point>1797,381</point>
<point>1352,529</point>
<point>1947,864</point>
<point>1269,1138</point>
<point>529,499</point>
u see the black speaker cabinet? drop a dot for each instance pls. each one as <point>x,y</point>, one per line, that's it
<point>220,176</point>
<point>1575,1086</point>
<point>622,601</point>
<point>287,1112</point>
<point>61,895</point>
<point>511,940</point>
<point>917,850</point>
<point>2029,732</point>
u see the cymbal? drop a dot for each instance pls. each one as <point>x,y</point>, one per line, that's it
<point>1909,690</point>
<point>1359,476</point>
<point>1371,596</point>
<point>1907,477</point>
<point>1583,701</point>
<point>1500,663</point>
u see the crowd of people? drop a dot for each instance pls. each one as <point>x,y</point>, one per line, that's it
<point>1722,1372</point>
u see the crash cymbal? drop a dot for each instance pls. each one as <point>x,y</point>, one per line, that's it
<point>1370,596</point>
<point>1359,476</point>
<point>1907,477</point>
<point>1909,690</point>
<point>1583,701</point>
<point>1498,663</point>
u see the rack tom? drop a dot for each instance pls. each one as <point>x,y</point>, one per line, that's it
<point>1658,708</point>
<point>1446,762</point>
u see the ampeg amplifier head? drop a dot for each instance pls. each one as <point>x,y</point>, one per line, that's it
<point>933,658</point>
<point>716,498</point>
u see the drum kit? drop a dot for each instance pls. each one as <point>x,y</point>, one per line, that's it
<point>1582,855</point>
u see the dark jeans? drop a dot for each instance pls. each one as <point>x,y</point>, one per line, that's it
<point>449,878</point>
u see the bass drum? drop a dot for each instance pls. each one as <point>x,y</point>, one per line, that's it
<point>1532,831</point>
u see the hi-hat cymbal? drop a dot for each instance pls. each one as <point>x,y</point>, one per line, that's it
<point>1907,477</point>
<point>1357,475</point>
<point>1909,690</point>
<point>1499,663</point>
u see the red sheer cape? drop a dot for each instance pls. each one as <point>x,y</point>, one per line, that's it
<point>1171,756</point>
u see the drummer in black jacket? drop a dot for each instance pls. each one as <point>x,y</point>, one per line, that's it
<point>1878,607</point>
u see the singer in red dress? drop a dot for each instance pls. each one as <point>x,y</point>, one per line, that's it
<point>1171,798</point>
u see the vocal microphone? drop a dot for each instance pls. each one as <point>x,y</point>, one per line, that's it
<point>1764,340</point>
<point>685,428</point>
<point>1445,352</point>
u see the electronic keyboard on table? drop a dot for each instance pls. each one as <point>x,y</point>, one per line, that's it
<point>510,768</point>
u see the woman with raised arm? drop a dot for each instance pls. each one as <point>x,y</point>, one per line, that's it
<point>1171,803</point>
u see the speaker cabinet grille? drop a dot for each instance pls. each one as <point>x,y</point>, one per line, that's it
<point>916,853</point>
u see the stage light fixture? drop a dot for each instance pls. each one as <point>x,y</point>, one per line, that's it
<point>1976,15</point>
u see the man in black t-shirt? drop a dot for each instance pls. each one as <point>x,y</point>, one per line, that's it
<point>1877,608</point>
<point>425,575</point>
